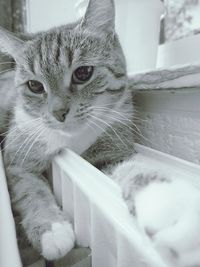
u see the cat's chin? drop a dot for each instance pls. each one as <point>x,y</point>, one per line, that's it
<point>70,133</point>
<point>69,129</point>
<point>73,130</point>
<point>65,133</point>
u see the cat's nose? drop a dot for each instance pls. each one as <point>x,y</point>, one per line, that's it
<point>60,114</point>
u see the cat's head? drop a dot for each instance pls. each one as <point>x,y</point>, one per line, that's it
<point>66,74</point>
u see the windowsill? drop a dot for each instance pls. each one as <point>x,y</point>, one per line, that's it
<point>180,77</point>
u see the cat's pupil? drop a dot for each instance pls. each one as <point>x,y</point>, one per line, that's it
<point>36,87</point>
<point>82,74</point>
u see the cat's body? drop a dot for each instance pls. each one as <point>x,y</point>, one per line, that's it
<point>70,92</point>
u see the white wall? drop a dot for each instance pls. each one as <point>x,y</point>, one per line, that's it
<point>171,122</point>
<point>44,14</point>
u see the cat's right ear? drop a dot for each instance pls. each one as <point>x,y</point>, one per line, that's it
<point>9,43</point>
<point>99,17</point>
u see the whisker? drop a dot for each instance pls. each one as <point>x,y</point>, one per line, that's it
<point>4,141</point>
<point>93,129</point>
<point>120,121</point>
<point>101,128</point>
<point>6,70</point>
<point>32,136</point>
<point>104,130</point>
<point>131,129</point>
<point>26,141</point>
<point>122,117</point>
<point>131,117</point>
<point>34,141</point>
<point>122,114</point>
<point>139,119</point>
<point>111,127</point>
<point>21,123</point>
<point>2,63</point>
<point>13,130</point>
<point>13,140</point>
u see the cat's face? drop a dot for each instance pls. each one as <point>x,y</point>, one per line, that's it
<point>63,74</point>
<point>66,74</point>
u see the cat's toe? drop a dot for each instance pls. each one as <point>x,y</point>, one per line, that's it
<point>58,241</point>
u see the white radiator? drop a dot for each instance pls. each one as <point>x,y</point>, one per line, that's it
<point>100,217</point>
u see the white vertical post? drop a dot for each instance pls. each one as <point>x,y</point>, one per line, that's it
<point>9,254</point>
<point>82,215</point>
<point>57,183</point>
<point>104,243</point>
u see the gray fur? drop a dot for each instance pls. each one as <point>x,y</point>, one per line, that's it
<point>51,57</point>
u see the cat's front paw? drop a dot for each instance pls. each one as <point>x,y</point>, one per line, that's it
<point>58,241</point>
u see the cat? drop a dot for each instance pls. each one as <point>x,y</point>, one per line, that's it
<point>69,90</point>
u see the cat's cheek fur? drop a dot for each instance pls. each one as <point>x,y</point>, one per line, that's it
<point>21,116</point>
<point>57,242</point>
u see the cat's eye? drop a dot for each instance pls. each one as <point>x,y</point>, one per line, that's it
<point>82,74</point>
<point>35,87</point>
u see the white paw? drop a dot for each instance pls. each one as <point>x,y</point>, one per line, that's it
<point>58,241</point>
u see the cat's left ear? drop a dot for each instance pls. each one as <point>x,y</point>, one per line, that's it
<point>100,16</point>
<point>9,43</point>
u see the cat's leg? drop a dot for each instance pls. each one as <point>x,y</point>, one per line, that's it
<point>45,225</point>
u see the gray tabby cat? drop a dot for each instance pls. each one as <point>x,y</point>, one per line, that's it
<point>69,91</point>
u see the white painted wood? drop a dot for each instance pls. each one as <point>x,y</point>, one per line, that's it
<point>57,187</point>
<point>179,52</point>
<point>175,77</point>
<point>9,254</point>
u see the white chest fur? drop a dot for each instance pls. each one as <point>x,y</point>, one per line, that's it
<point>56,140</point>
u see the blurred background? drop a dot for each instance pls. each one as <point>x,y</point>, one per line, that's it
<point>182,19</point>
